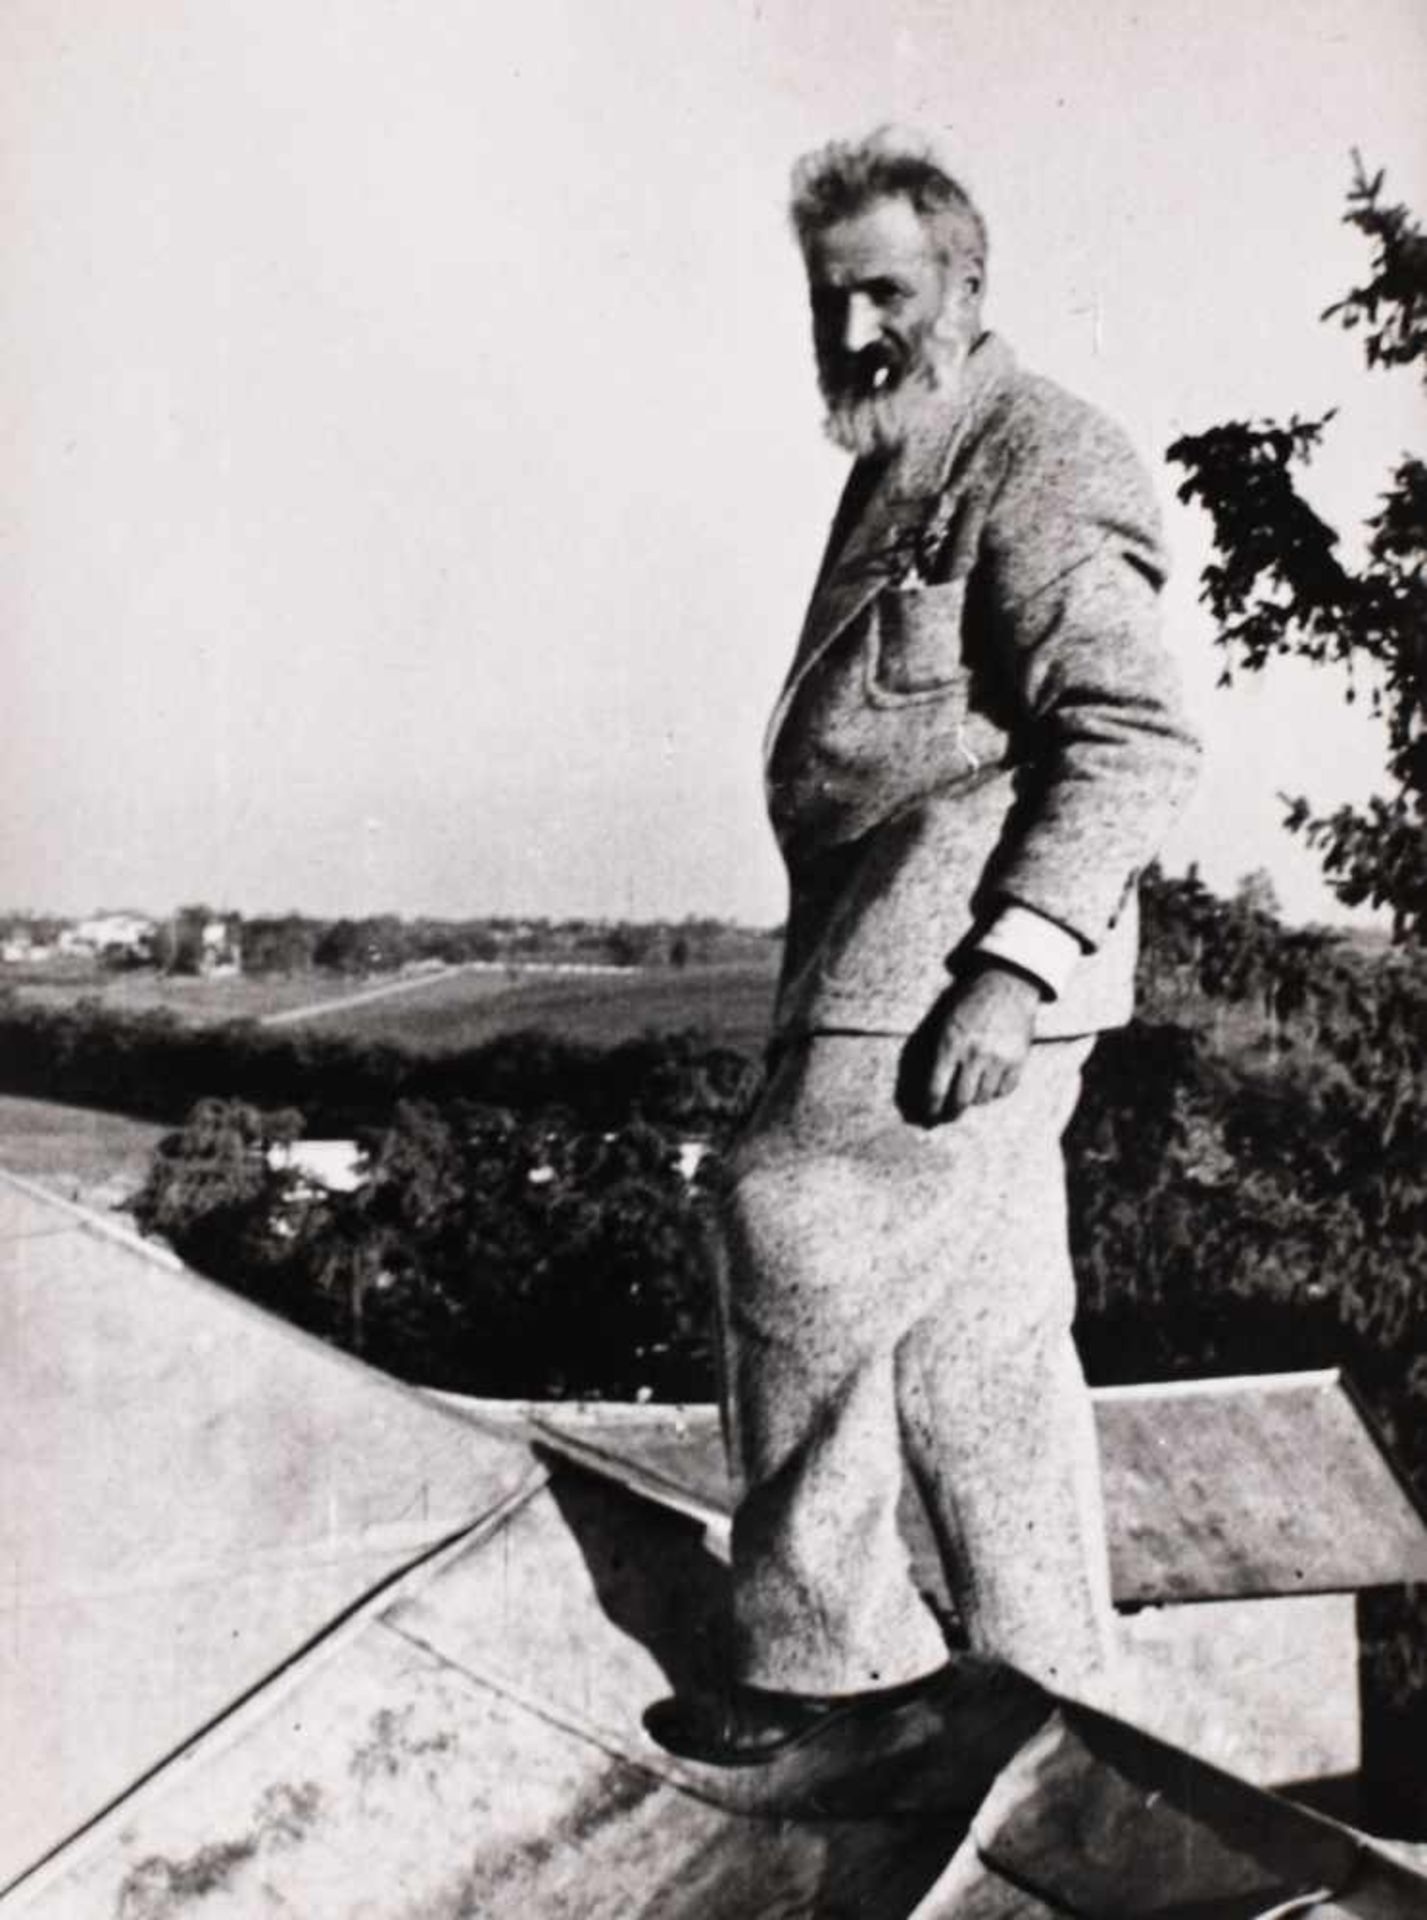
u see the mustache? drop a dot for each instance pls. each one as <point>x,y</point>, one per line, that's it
<point>869,415</point>
<point>875,369</point>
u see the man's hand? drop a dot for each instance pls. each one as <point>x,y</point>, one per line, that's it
<point>970,1048</point>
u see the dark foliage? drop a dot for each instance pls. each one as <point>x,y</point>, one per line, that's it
<point>482,1251</point>
<point>1278,585</point>
<point>155,1067</point>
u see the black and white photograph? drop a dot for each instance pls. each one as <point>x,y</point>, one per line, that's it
<point>713,960</point>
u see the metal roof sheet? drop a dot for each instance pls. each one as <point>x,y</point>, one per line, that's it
<point>1266,1484</point>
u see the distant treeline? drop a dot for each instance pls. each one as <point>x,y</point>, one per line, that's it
<point>295,943</point>
<point>384,943</point>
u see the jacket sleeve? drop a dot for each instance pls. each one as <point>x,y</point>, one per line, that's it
<point>1075,566</point>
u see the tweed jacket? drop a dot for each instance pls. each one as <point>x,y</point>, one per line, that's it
<point>979,713</point>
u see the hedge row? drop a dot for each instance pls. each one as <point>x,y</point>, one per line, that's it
<point>153,1066</point>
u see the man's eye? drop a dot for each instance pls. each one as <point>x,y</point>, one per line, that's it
<point>886,293</point>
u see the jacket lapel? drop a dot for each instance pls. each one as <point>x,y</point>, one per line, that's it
<point>868,548</point>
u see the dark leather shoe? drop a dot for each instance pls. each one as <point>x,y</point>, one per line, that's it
<point>935,1744</point>
<point>749,1726</point>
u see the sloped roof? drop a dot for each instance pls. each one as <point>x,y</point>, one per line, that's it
<point>1093,1817</point>
<point>191,1493</point>
<point>470,1745</point>
<point>363,1657</point>
<point>1222,1489</point>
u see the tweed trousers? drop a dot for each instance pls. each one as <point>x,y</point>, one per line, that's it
<point>896,1300</point>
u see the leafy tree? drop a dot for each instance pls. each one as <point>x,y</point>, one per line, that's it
<point>628,945</point>
<point>279,944</point>
<point>482,1250</point>
<point>178,941</point>
<point>1280,587</point>
<point>379,944</point>
<point>1256,894</point>
<point>217,1190</point>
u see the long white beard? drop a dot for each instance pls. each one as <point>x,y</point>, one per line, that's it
<point>878,423</point>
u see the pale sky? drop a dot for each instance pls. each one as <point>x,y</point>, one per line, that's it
<point>413,474</point>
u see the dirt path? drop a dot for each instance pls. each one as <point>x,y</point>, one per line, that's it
<point>413,983</point>
<point>363,996</point>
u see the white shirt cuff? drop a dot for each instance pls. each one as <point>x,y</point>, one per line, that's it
<point>1038,946</point>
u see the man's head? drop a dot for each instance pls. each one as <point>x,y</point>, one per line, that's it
<point>895,252</point>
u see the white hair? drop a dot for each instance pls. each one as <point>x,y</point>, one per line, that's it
<point>846,176</point>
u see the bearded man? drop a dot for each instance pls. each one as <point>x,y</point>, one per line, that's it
<point>977,747</point>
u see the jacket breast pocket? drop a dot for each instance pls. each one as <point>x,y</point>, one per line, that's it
<point>915,644</point>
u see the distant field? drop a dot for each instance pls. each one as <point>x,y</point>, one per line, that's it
<point>96,1158</point>
<point>730,1003</point>
<point>199,1002</point>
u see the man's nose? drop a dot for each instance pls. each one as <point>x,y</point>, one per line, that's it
<point>861,324</point>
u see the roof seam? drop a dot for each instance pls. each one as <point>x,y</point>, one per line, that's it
<point>96,1223</point>
<point>669,1772</point>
